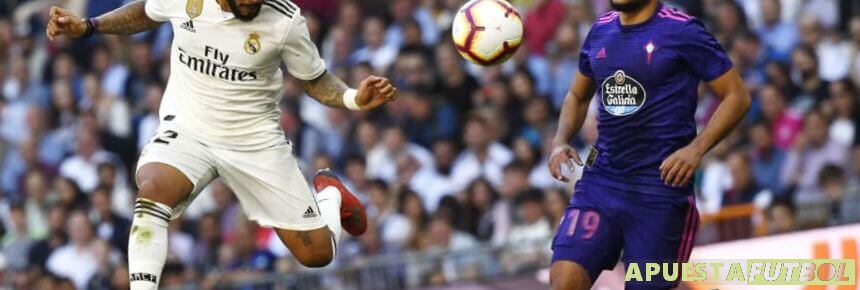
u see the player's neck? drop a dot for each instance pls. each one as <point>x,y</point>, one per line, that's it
<point>640,16</point>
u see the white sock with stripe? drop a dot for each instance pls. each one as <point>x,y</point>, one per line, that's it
<point>147,243</point>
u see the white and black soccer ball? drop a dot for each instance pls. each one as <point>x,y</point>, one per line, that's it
<point>487,32</point>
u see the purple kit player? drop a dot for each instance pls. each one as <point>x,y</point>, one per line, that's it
<point>645,62</point>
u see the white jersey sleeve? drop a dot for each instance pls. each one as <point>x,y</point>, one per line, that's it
<point>157,10</point>
<point>300,53</point>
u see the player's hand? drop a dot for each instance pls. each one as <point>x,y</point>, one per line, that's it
<point>375,91</point>
<point>563,154</point>
<point>62,22</point>
<point>678,169</point>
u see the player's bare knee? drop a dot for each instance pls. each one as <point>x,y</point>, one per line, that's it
<point>566,283</point>
<point>312,249</point>
<point>315,257</point>
<point>148,189</point>
<point>568,276</point>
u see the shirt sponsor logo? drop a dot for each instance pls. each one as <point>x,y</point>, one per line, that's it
<point>622,94</point>
<point>214,63</point>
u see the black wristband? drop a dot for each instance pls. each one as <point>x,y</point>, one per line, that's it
<point>91,28</point>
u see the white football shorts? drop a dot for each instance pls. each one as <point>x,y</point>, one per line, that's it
<point>268,183</point>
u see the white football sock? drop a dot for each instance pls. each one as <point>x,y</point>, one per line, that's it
<point>147,243</point>
<point>328,201</point>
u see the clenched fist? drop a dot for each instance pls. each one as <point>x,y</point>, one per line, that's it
<point>375,91</point>
<point>62,22</point>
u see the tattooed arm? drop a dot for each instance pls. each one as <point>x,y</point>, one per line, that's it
<point>330,90</point>
<point>128,19</point>
<point>327,89</point>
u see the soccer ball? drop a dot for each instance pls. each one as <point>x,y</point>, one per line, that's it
<point>487,32</point>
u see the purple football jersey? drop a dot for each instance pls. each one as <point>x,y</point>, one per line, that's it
<point>646,77</point>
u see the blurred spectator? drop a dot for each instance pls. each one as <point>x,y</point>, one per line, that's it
<point>77,259</point>
<point>767,160</point>
<point>69,195</point>
<point>381,160</point>
<point>377,51</point>
<point>479,210</point>
<point>729,18</point>
<point>744,188</point>
<point>812,150</point>
<point>181,245</point>
<point>455,85</point>
<point>782,216</point>
<point>83,166</point>
<point>780,36</point>
<point>107,258</point>
<point>148,123</point>
<point>431,186</point>
<point>17,241</point>
<point>542,21</point>
<point>532,225</point>
<point>355,179</point>
<point>22,159</point>
<point>555,203</point>
<point>564,58</point>
<point>854,29</point>
<point>442,235</point>
<point>205,250</point>
<point>827,11</point>
<point>410,206</point>
<point>845,116</point>
<point>785,123</point>
<point>394,228</point>
<point>843,204</point>
<point>428,119</point>
<point>716,178</point>
<point>42,249</point>
<point>36,204</point>
<point>751,56</point>
<point>119,191</point>
<point>807,77</point>
<point>249,261</point>
<point>533,228</point>
<point>111,113</point>
<point>444,154</point>
<point>108,225</point>
<point>483,157</point>
<point>226,208</point>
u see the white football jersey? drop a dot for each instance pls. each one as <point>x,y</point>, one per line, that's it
<point>225,77</point>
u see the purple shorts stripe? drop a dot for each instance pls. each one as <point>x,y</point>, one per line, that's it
<point>685,233</point>
<point>694,230</point>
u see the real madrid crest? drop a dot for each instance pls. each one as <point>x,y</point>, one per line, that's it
<point>252,44</point>
<point>193,8</point>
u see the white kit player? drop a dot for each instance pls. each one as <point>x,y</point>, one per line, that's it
<point>219,118</point>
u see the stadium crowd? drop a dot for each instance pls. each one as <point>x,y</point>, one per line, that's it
<point>458,161</point>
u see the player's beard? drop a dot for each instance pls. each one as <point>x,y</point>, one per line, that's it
<point>629,5</point>
<point>238,13</point>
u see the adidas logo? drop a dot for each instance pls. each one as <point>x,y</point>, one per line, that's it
<point>188,26</point>
<point>309,213</point>
<point>601,53</point>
